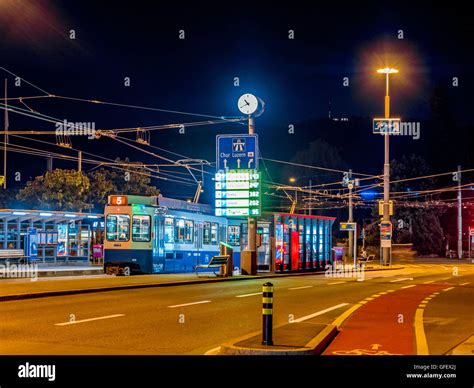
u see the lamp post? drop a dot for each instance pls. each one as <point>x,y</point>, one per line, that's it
<point>386,167</point>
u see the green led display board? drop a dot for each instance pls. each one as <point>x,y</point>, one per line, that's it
<point>237,193</point>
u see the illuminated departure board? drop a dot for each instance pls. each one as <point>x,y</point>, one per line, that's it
<point>237,193</point>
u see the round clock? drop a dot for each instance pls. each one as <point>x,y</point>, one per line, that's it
<point>248,103</point>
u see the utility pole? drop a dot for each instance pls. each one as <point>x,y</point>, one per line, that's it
<point>252,221</point>
<point>351,216</point>
<point>459,214</point>
<point>310,197</point>
<point>5,139</point>
<point>79,161</point>
<point>49,163</point>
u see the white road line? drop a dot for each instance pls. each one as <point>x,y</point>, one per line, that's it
<point>89,320</point>
<point>320,312</point>
<point>299,288</point>
<point>463,284</point>
<point>410,286</point>
<point>189,304</point>
<point>330,284</point>
<point>448,289</point>
<point>431,281</point>
<point>245,295</point>
<point>400,280</point>
<point>445,279</point>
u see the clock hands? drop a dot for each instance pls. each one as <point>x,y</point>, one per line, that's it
<point>246,103</point>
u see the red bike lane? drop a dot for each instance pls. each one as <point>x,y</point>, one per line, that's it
<point>384,325</point>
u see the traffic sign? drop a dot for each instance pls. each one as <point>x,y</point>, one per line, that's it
<point>386,126</point>
<point>235,152</point>
<point>347,226</point>
<point>237,193</point>
<point>390,205</point>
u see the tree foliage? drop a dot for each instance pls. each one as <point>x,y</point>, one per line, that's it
<point>418,223</point>
<point>58,190</point>
<point>73,190</point>
<point>130,178</point>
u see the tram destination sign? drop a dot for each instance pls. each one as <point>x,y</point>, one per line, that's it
<point>237,152</point>
<point>237,193</point>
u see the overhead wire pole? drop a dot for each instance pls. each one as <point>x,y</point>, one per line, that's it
<point>351,217</point>
<point>79,161</point>
<point>459,214</point>
<point>5,139</point>
<point>252,221</point>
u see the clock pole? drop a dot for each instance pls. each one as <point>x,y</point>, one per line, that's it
<point>252,223</point>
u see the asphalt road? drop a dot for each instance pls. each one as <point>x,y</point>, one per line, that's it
<point>194,319</point>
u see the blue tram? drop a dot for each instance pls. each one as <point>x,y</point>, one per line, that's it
<point>164,235</point>
<point>159,235</point>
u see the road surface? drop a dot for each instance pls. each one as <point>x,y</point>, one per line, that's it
<point>195,319</point>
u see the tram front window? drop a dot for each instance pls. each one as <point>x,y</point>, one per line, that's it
<point>118,227</point>
<point>141,228</point>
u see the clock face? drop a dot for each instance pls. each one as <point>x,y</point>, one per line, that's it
<point>248,103</point>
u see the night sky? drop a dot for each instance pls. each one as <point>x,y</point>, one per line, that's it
<point>297,78</point>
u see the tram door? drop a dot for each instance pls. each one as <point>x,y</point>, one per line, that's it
<point>158,245</point>
<point>198,231</point>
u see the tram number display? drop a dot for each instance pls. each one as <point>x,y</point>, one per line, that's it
<point>237,193</point>
<point>118,200</point>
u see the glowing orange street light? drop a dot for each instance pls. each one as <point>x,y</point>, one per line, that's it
<point>386,252</point>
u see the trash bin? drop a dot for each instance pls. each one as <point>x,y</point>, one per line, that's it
<point>227,250</point>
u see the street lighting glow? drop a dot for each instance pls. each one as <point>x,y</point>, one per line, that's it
<point>292,180</point>
<point>387,70</point>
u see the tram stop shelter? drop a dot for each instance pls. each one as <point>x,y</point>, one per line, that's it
<point>48,236</point>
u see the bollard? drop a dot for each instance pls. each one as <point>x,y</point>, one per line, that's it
<point>267,314</point>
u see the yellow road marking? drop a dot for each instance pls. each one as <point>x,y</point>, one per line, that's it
<point>341,318</point>
<point>421,344</point>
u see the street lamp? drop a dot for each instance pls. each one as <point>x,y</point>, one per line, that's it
<point>386,167</point>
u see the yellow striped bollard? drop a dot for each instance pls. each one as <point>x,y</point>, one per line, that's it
<point>267,314</point>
